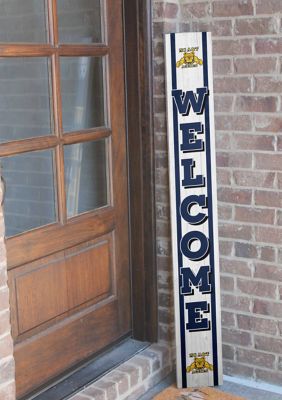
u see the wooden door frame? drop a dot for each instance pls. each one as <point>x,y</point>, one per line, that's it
<point>141,163</point>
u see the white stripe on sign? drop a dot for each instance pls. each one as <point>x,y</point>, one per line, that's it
<point>192,170</point>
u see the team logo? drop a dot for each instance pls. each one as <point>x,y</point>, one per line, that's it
<point>200,364</point>
<point>189,58</point>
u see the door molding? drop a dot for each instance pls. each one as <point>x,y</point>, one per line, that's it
<point>139,92</point>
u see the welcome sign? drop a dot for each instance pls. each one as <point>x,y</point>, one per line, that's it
<point>193,208</point>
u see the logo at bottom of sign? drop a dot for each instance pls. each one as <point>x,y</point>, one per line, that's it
<point>200,365</point>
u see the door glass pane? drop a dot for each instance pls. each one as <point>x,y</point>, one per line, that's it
<point>30,193</point>
<point>24,98</point>
<point>86,176</point>
<point>79,21</point>
<point>23,21</point>
<point>82,90</point>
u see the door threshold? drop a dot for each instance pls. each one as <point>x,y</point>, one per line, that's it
<point>88,373</point>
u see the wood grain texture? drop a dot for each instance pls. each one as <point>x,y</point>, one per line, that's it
<point>70,281</point>
<point>141,168</point>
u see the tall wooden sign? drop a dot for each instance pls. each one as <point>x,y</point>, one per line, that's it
<point>190,117</point>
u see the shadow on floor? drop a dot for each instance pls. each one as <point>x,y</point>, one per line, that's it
<point>228,387</point>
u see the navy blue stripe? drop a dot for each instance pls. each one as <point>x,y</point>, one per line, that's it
<point>177,195</point>
<point>210,209</point>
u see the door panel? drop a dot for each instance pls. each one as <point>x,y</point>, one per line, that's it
<point>68,257</point>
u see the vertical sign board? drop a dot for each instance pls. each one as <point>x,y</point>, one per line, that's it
<point>193,208</point>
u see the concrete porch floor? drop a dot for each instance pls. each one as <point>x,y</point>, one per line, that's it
<point>229,387</point>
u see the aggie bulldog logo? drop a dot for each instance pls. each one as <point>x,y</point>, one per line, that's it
<point>200,364</point>
<point>189,59</point>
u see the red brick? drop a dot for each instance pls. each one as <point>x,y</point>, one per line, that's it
<point>279,143</point>
<point>235,303</point>
<point>253,215</point>
<point>227,283</point>
<point>237,267</point>
<point>267,253</point>
<point>240,196</point>
<point>279,180</point>
<point>4,322</point>
<point>217,28</point>
<point>159,28</point>
<point>268,198</point>
<point>223,103</point>
<point>232,85</point>
<point>269,376</point>
<point>6,346</point>
<point>269,344</point>
<point>160,142</point>
<point>255,65</point>
<point>255,324</point>
<point>225,248</point>
<point>267,123</point>
<point>165,299</point>
<point>224,159</point>
<point>256,26</point>
<point>90,391</point>
<point>233,336</point>
<point>160,122</point>
<point>4,299</point>
<point>121,380</point>
<point>224,212</point>
<point>196,9</point>
<point>223,140</point>
<point>268,162</point>
<point>268,45</point>
<point>227,319</point>
<point>163,228</point>
<point>159,67</point>
<point>222,66</point>
<point>164,264</point>
<point>3,277</point>
<point>162,212</point>
<point>265,84</point>
<point>132,371</point>
<point>279,217</point>
<point>228,352</point>
<point>7,392</point>
<point>256,103</point>
<point>267,308</point>
<point>158,49</point>
<point>159,89</point>
<point>163,247</point>
<point>235,231</point>
<point>268,7</point>
<point>245,250</point>
<point>257,288</point>
<point>236,369</point>
<point>254,178</point>
<point>254,142</point>
<point>161,160</point>
<point>232,47</point>
<point>223,176</point>
<point>233,122</point>
<point>268,235</point>
<point>232,9</point>
<point>7,368</point>
<point>255,358</point>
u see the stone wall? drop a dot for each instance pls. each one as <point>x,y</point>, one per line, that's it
<point>247,44</point>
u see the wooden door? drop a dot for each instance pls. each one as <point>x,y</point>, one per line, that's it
<point>63,156</point>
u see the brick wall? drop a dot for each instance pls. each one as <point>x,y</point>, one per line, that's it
<point>7,385</point>
<point>247,44</point>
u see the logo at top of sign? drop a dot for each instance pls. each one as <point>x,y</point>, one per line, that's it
<point>200,364</point>
<point>189,59</point>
